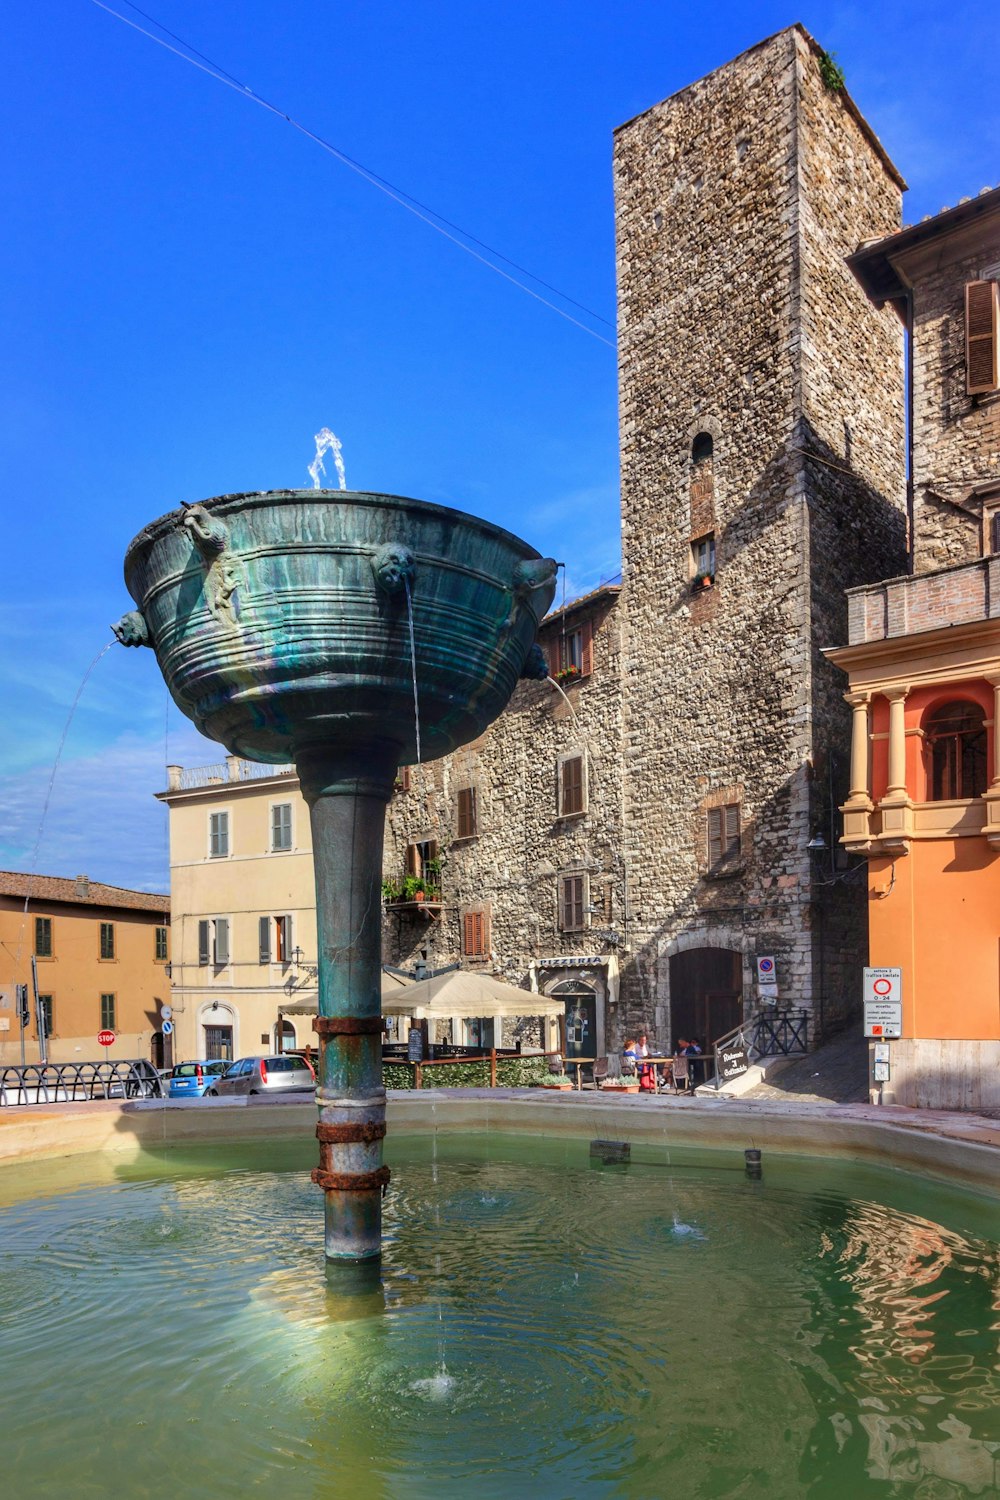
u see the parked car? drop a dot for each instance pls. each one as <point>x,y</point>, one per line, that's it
<point>189,1080</point>
<point>265,1075</point>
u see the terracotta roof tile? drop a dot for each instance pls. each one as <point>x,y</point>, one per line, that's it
<point>79,892</point>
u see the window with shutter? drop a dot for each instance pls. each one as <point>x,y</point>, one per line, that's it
<point>475,934</point>
<point>160,945</point>
<point>43,937</point>
<point>283,939</point>
<point>107,1013</point>
<point>995,531</point>
<point>281,827</point>
<point>572,903</point>
<point>264,940</point>
<point>723,838</point>
<point>468,822</point>
<point>204,943</point>
<point>218,835</point>
<point>107,940</point>
<point>982,334</point>
<point>221,955</point>
<point>571,788</point>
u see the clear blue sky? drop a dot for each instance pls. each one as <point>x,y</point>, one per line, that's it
<point>192,289</point>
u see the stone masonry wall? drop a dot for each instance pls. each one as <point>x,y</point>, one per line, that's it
<point>737,200</point>
<point>511,868</point>
<point>956,437</point>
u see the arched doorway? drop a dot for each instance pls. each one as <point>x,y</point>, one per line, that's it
<point>284,1036</point>
<point>706,994</point>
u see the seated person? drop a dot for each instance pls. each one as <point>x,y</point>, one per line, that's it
<point>629,1056</point>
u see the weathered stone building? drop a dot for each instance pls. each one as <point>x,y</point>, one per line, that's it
<point>637,847</point>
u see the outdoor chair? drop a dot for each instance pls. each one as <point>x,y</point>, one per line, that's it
<point>605,1068</point>
<point>680,1075</point>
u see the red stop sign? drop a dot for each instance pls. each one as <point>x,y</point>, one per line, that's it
<point>106,1038</point>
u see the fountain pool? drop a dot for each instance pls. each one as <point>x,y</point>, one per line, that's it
<point>538,1326</point>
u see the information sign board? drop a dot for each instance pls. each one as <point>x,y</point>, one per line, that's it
<point>733,1061</point>
<point>883,992</point>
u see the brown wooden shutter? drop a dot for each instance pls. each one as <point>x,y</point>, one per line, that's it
<point>571,772</point>
<point>714,837</point>
<point>572,903</point>
<point>412,860</point>
<point>995,531</point>
<point>475,934</point>
<point>467,812</point>
<point>586,648</point>
<point>733,831</point>
<point>982,334</point>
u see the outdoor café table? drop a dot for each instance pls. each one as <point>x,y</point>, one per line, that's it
<point>578,1063</point>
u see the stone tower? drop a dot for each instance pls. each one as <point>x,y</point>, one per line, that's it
<point>762,451</point>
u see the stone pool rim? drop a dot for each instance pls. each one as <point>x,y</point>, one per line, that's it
<point>956,1149</point>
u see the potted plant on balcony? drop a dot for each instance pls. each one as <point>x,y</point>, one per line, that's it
<point>414,888</point>
<point>567,674</point>
<point>432,878</point>
<point>392,890</point>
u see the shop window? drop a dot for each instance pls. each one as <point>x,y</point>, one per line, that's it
<point>43,937</point>
<point>955,747</point>
<point>723,839</point>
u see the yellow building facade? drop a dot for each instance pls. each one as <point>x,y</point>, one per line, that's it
<point>241,881</point>
<point>102,961</point>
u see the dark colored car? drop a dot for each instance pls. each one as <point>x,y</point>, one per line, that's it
<point>189,1080</point>
<point>265,1075</point>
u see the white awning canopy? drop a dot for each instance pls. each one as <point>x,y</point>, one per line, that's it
<point>458,993</point>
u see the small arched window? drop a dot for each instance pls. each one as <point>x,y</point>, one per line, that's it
<point>701,448</point>
<point>955,746</point>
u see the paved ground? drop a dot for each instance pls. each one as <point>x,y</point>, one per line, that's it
<point>836,1074</point>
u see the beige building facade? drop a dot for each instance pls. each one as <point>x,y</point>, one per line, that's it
<point>102,959</point>
<point>241,881</point>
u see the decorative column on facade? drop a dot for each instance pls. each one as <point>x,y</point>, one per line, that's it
<point>896,806</point>
<point>993,790</point>
<point>858,807</point>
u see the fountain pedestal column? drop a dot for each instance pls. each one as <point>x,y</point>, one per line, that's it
<point>347,789</point>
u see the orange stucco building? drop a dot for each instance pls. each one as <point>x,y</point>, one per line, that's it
<point>923,664</point>
<point>102,960</point>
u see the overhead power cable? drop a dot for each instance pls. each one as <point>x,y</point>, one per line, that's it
<point>422,211</point>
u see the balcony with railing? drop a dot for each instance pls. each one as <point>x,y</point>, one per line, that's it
<point>233,769</point>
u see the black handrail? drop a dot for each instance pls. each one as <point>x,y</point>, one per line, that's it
<point>73,1082</point>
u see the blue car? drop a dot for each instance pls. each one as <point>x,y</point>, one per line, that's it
<point>189,1080</point>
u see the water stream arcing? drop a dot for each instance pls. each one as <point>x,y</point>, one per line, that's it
<point>413,666</point>
<point>327,442</point>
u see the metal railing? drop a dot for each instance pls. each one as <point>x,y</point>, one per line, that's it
<point>194,777</point>
<point>74,1082</point>
<point>766,1034</point>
